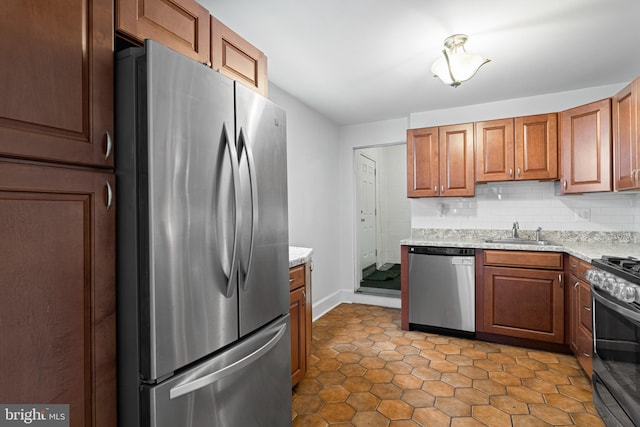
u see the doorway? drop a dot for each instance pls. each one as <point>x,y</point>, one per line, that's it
<point>383,217</point>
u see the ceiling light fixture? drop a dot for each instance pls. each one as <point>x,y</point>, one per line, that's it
<point>458,65</point>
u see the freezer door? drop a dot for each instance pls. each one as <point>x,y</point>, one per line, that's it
<point>264,241</point>
<point>247,385</point>
<point>187,207</point>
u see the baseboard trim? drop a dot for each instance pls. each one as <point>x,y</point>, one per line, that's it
<point>327,303</point>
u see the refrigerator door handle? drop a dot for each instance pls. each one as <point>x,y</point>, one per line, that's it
<point>211,378</point>
<point>242,143</point>
<point>235,171</point>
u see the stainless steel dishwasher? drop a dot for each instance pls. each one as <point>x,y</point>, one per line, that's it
<point>442,290</point>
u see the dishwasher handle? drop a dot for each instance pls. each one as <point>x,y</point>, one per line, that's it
<point>434,250</point>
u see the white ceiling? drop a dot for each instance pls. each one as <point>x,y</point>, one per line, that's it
<point>357,61</point>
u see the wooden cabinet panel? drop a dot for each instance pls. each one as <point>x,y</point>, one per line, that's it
<point>585,148</point>
<point>580,317</point>
<point>422,162</point>
<point>296,277</point>
<point>494,150</point>
<point>457,161</point>
<point>517,149</point>
<point>301,317</point>
<point>440,161</point>
<point>57,93</point>
<point>57,313</point>
<point>182,25</point>
<point>536,139</point>
<point>544,260</point>
<point>626,137</point>
<point>236,58</point>
<point>523,303</point>
<point>297,315</point>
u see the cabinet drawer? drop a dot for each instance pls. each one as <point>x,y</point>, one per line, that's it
<point>545,260</point>
<point>578,267</point>
<point>584,354</point>
<point>296,277</point>
<point>584,301</point>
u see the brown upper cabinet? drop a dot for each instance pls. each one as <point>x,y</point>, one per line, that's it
<point>57,92</point>
<point>626,137</point>
<point>182,25</point>
<point>517,149</point>
<point>236,58</point>
<point>585,148</point>
<point>187,27</point>
<point>440,161</point>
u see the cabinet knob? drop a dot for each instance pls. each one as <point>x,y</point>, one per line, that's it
<point>510,172</point>
<point>207,64</point>
<point>435,189</point>
<point>586,355</point>
<point>586,308</point>
<point>442,189</point>
<point>564,184</point>
<point>576,285</point>
<point>519,172</point>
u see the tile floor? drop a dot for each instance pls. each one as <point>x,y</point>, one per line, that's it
<point>365,371</point>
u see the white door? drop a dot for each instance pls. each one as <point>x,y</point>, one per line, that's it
<point>367,210</point>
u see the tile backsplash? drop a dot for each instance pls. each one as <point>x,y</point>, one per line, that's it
<point>532,204</point>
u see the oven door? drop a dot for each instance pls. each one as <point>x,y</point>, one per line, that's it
<point>616,360</point>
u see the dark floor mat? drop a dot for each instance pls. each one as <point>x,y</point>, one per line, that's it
<point>385,279</point>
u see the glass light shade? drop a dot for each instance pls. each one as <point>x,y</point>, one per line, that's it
<point>461,65</point>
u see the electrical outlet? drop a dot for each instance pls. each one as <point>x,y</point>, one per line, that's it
<point>583,214</point>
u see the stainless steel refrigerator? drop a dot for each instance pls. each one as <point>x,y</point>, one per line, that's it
<point>202,244</point>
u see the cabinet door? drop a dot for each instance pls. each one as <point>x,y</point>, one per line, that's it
<point>536,147</point>
<point>57,311</point>
<point>422,162</point>
<point>585,147</point>
<point>298,328</point>
<point>494,150</point>
<point>625,137</point>
<point>457,161</point>
<point>581,337</point>
<point>524,303</point>
<point>236,58</point>
<point>57,81</point>
<point>182,25</point>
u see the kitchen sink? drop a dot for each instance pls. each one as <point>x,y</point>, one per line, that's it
<point>516,241</point>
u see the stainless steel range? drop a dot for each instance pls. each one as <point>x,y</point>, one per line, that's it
<point>615,290</point>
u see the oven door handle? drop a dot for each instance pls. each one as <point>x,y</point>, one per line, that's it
<point>629,314</point>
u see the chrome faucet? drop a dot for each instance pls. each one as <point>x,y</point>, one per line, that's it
<point>514,230</point>
<point>538,231</point>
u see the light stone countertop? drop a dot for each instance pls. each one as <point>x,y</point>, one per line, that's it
<point>299,255</point>
<point>585,246</point>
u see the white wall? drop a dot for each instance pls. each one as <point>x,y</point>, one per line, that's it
<point>533,204</point>
<point>313,186</point>
<point>396,211</point>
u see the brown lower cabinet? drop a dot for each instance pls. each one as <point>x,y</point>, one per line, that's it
<point>300,319</point>
<point>57,275</point>
<point>580,323</point>
<point>520,295</point>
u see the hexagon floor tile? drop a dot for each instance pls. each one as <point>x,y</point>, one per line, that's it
<point>365,371</point>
